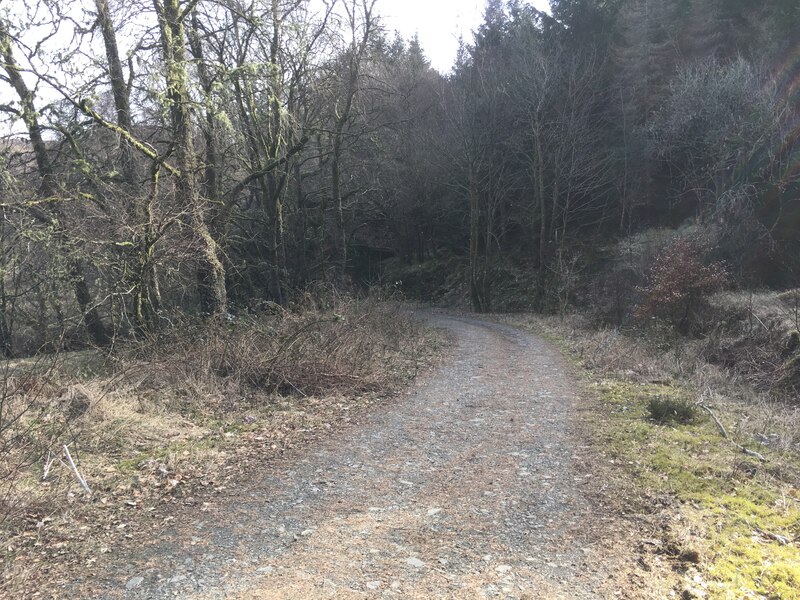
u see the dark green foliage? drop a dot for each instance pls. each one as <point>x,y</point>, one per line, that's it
<point>686,125</point>
<point>793,345</point>
<point>430,281</point>
<point>668,409</point>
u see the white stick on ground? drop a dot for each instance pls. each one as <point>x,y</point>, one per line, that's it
<point>80,479</point>
<point>724,433</point>
<point>48,464</point>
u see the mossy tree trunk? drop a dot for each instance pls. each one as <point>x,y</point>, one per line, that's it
<point>210,270</point>
<point>145,299</point>
<point>119,89</point>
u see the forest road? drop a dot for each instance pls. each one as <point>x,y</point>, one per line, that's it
<point>469,485</point>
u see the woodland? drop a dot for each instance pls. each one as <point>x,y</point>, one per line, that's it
<point>216,215</point>
<point>209,157</point>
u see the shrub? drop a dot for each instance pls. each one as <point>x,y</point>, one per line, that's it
<point>679,283</point>
<point>664,409</point>
<point>323,346</point>
<point>615,289</point>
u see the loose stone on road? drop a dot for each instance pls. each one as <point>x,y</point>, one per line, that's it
<point>465,487</point>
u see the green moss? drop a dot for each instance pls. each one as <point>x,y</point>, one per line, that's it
<point>746,561</point>
<point>725,497</point>
<point>731,500</point>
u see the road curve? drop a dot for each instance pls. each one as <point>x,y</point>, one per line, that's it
<point>465,487</point>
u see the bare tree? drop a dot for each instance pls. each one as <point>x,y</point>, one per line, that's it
<point>172,15</point>
<point>48,189</point>
<point>360,24</point>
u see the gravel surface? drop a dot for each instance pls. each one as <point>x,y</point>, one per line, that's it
<point>465,487</point>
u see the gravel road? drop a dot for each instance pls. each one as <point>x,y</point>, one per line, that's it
<point>468,486</point>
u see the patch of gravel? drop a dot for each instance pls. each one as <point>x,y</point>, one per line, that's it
<point>465,487</point>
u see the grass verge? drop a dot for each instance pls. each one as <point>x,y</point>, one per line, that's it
<point>730,522</point>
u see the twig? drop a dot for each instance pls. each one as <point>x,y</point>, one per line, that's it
<point>759,320</point>
<point>724,433</point>
<point>781,539</point>
<point>296,389</point>
<point>48,463</point>
<point>716,420</point>
<point>341,375</point>
<point>80,479</point>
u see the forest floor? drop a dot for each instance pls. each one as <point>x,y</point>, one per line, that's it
<point>482,480</point>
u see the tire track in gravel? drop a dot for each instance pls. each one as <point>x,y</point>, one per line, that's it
<point>465,487</point>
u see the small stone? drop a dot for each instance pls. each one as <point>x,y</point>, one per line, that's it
<point>134,582</point>
<point>415,562</point>
<point>307,532</point>
<point>503,569</point>
<point>374,585</point>
<point>266,570</point>
<point>178,579</point>
<point>434,511</point>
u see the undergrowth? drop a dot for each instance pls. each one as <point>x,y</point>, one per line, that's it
<point>172,417</point>
<point>663,409</point>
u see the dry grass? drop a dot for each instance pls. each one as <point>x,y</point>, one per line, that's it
<point>753,387</point>
<point>165,418</point>
<point>736,517</point>
<point>347,347</point>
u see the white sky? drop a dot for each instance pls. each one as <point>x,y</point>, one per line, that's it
<point>438,23</point>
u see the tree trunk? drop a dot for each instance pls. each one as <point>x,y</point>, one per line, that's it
<point>265,138</point>
<point>144,303</point>
<point>302,234</point>
<point>276,182</point>
<point>119,89</point>
<point>210,271</point>
<point>6,302</point>
<point>475,287</point>
<point>146,295</point>
<point>211,186</point>
<point>336,187</point>
<point>541,202</point>
<point>356,53</point>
